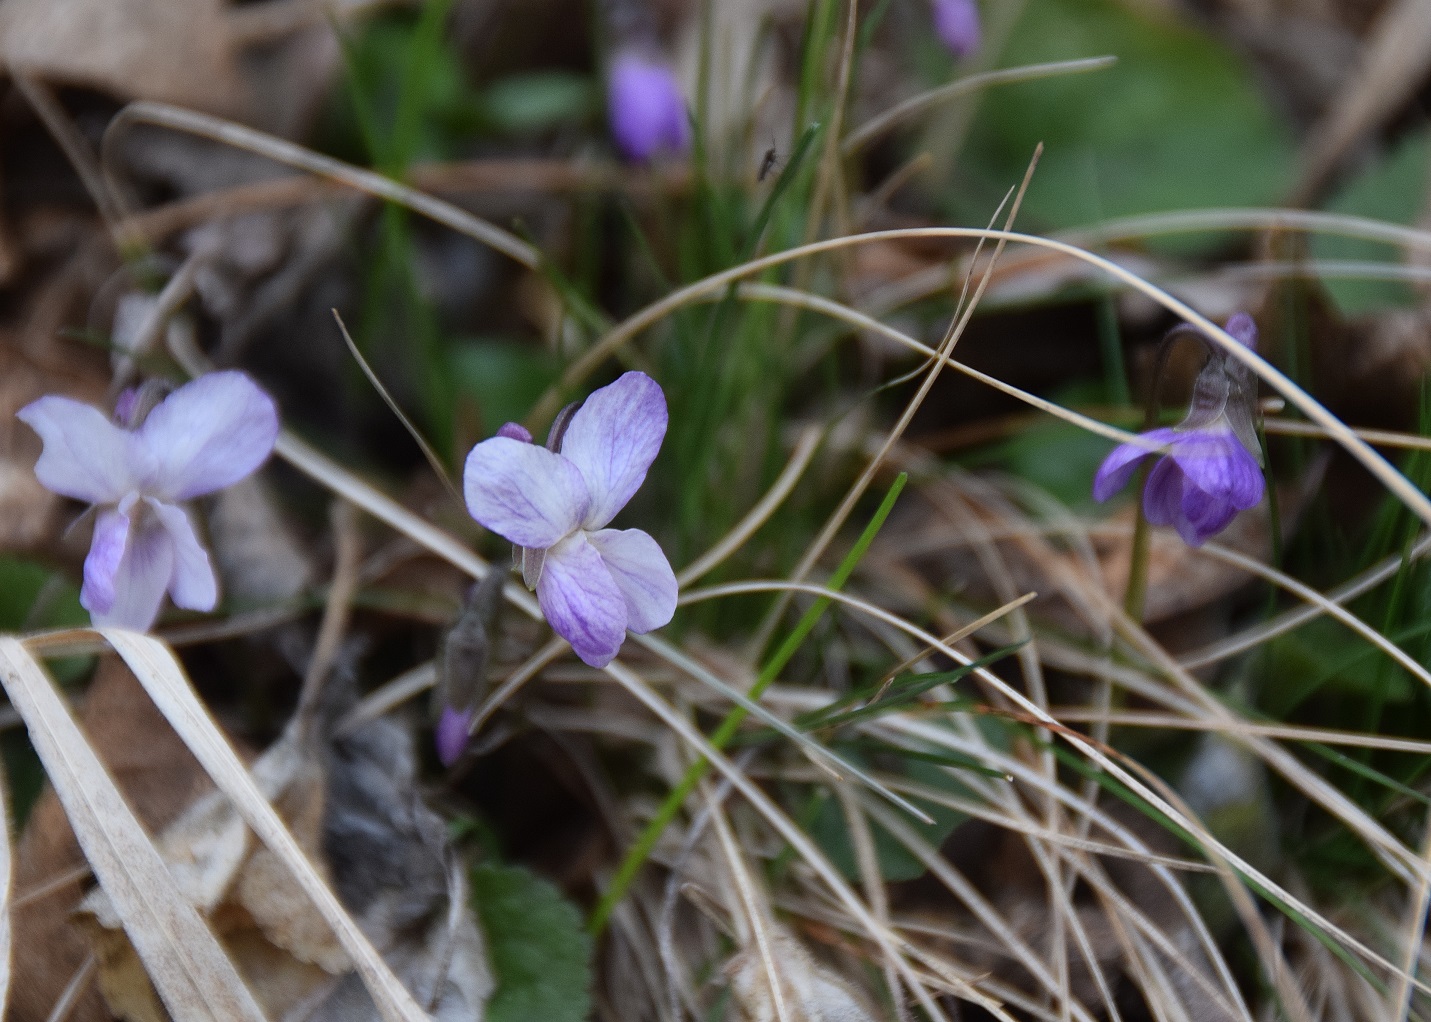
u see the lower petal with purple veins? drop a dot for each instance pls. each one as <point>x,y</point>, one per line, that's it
<point>142,577</point>
<point>106,551</point>
<point>1163,494</point>
<point>581,600</point>
<point>1216,463</point>
<point>643,575</point>
<point>1203,515</point>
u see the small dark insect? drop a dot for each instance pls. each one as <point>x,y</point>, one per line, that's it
<point>767,164</point>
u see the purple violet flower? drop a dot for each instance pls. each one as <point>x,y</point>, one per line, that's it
<point>957,24</point>
<point>593,583</point>
<point>1210,467</point>
<point>206,435</point>
<point>646,107</point>
<point>451,734</point>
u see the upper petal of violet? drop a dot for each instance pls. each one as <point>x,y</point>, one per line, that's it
<point>643,575</point>
<point>208,434</point>
<point>524,493</point>
<point>1123,460</point>
<point>1244,328</point>
<point>613,438</point>
<point>646,107</point>
<point>86,456</point>
<point>956,22</point>
<point>581,601</point>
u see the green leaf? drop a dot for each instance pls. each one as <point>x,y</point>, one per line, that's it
<point>540,953</point>
<point>1178,122</point>
<point>503,378</point>
<point>1391,190</point>
<point>530,102</point>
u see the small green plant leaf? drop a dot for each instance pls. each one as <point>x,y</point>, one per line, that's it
<point>540,953</point>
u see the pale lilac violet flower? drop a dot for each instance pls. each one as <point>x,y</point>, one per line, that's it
<point>206,435</point>
<point>593,583</point>
<point>451,734</point>
<point>1210,467</point>
<point>646,107</point>
<point>956,22</point>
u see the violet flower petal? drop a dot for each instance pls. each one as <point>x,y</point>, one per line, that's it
<point>642,573</point>
<point>193,585</point>
<point>208,434</point>
<point>613,438</point>
<point>106,550</point>
<point>1217,463</point>
<point>1163,494</point>
<point>957,24</point>
<point>1244,328</point>
<point>524,493</point>
<point>1123,461</point>
<point>646,107</point>
<point>86,456</point>
<point>581,600</point>
<point>515,431</point>
<point>1202,514</point>
<point>143,575</point>
<point>451,734</point>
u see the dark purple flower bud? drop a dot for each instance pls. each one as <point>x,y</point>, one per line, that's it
<point>515,431</point>
<point>1209,466</point>
<point>451,734</point>
<point>957,24</point>
<point>646,107</point>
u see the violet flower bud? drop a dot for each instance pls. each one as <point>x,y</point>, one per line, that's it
<point>957,24</point>
<point>646,107</point>
<point>1210,468</point>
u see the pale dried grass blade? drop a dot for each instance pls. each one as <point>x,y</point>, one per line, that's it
<point>159,672</point>
<point>188,968</point>
<point>7,879</point>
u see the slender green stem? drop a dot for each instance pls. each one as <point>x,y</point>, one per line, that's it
<point>1137,591</point>
<point>637,855</point>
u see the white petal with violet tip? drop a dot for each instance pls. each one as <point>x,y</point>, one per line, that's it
<point>143,575</point>
<point>106,550</point>
<point>208,434</point>
<point>581,600</point>
<point>1123,461</point>
<point>86,456</point>
<point>613,438</point>
<point>193,585</point>
<point>523,493</point>
<point>642,573</point>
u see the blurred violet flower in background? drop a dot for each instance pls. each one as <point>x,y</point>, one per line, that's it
<point>957,24</point>
<point>1211,467</point>
<point>646,107</point>
<point>593,583</point>
<point>207,435</point>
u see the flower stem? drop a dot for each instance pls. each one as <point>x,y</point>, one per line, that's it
<point>640,851</point>
<point>1137,591</point>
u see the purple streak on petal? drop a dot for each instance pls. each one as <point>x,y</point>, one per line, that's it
<point>957,24</point>
<point>1202,514</point>
<point>1242,327</point>
<point>1217,463</point>
<point>86,456</point>
<point>642,573</point>
<point>208,434</point>
<point>106,550</point>
<point>613,438</point>
<point>646,107</point>
<point>581,600</point>
<point>451,734</point>
<point>1123,461</point>
<point>1163,493</point>
<point>523,492</point>
<point>193,585</point>
<point>515,431</point>
<point>143,575</point>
